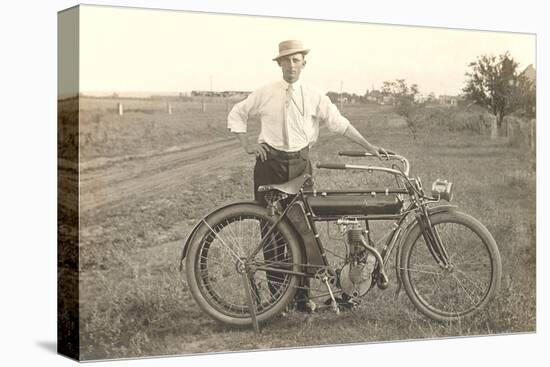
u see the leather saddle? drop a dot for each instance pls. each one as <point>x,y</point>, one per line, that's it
<point>291,187</point>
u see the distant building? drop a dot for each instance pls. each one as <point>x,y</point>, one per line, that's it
<point>231,94</point>
<point>530,73</point>
<point>374,96</point>
<point>387,100</point>
<point>235,93</point>
<point>448,100</point>
<point>421,98</point>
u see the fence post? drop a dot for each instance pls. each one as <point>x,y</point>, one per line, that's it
<point>169,109</point>
<point>120,109</point>
<point>494,127</point>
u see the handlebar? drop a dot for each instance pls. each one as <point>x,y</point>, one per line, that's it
<point>354,153</point>
<point>360,153</point>
<point>392,156</point>
<point>331,165</point>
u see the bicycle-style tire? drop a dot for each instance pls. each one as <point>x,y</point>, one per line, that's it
<point>474,280</point>
<point>212,272</point>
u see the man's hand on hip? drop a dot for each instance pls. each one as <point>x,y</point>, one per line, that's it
<point>259,151</point>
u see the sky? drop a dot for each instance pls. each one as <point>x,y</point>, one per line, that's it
<point>142,50</point>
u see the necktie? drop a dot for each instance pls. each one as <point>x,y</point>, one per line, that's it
<point>288,101</point>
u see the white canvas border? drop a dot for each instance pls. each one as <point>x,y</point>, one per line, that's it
<point>28,151</point>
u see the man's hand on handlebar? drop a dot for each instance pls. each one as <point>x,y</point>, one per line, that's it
<point>377,151</point>
<point>259,151</point>
<point>384,152</point>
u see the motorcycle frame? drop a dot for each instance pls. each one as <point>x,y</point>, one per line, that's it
<point>396,236</point>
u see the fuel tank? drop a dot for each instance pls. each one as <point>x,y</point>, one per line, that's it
<point>355,204</point>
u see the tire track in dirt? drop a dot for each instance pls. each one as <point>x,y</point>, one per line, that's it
<point>136,179</point>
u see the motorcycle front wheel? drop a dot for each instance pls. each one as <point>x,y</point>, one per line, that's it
<point>215,265</point>
<point>467,284</point>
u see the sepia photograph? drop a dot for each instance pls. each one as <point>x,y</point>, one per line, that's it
<point>232,183</point>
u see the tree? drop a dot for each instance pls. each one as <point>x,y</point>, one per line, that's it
<point>495,84</point>
<point>404,101</point>
<point>399,89</point>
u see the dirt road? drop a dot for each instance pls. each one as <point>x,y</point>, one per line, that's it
<point>118,182</point>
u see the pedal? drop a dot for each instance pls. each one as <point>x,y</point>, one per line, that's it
<point>353,303</point>
<point>344,303</point>
<point>382,282</point>
<point>335,307</point>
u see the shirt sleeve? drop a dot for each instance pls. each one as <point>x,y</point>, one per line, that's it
<point>329,113</point>
<point>237,119</point>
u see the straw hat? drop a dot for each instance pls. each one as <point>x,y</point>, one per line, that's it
<point>290,47</point>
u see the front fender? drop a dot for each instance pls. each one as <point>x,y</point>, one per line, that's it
<point>199,223</point>
<point>431,211</point>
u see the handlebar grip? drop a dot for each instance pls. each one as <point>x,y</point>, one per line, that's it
<point>331,165</point>
<point>354,153</point>
<point>359,153</point>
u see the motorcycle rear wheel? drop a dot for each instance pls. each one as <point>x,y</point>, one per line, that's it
<point>214,265</point>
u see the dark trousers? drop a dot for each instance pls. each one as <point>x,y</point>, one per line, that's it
<point>278,169</point>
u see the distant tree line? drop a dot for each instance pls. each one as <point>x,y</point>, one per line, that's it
<point>492,82</point>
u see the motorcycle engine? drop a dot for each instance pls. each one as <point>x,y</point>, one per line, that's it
<point>356,275</point>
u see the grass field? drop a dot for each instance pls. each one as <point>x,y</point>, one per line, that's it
<point>135,302</point>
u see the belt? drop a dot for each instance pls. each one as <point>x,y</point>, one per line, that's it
<point>280,154</point>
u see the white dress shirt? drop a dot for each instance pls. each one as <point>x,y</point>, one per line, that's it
<point>289,119</point>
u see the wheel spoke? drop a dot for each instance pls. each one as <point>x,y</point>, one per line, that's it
<point>421,271</point>
<point>222,241</point>
<point>464,289</point>
<point>236,240</point>
<point>476,284</point>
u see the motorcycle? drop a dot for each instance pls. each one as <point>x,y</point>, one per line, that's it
<point>244,262</point>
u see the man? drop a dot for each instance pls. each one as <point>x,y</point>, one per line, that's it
<point>290,112</point>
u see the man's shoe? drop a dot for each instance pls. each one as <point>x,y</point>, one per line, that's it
<point>306,306</point>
